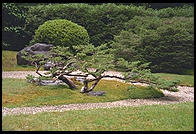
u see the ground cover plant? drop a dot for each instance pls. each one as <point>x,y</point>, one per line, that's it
<point>173,117</point>
<point>19,93</point>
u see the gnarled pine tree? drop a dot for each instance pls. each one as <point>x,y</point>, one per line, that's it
<point>86,60</point>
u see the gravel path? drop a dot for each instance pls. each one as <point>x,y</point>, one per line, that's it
<point>185,94</point>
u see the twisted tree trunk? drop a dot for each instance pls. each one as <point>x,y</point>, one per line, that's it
<point>93,86</point>
<point>67,81</point>
<point>84,89</point>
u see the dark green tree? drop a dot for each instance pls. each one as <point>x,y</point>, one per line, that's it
<point>167,43</point>
<point>13,20</point>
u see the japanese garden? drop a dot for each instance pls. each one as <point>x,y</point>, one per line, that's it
<point>97,66</point>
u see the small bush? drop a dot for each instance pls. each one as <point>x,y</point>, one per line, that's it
<point>61,32</point>
<point>139,92</point>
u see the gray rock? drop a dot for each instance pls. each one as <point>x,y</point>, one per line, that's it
<point>96,93</point>
<point>37,48</point>
<point>51,83</point>
<point>47,82</point>
<point>48,65</point>
<point>80,79</point>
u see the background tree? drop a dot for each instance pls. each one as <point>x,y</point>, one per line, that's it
<point>13,21</point>
<point>160,41</point>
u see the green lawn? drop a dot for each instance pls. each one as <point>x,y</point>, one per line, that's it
<point>9,62</point>
<point>186,80</point>
<point>19,93</point>
<point>175,117</point>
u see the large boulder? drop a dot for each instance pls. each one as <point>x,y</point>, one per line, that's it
<point>37,48</point>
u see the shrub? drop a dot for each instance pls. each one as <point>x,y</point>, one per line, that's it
<point>61,32</point>
<point>101,21</point>
<point>125,46</point>
<point>167,43</point>
<point>185,11</point>
<point>139,92</point>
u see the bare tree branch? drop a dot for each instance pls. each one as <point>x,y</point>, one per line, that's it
<point>37,68</point>
<point>93,86</point>
<point>109,76</point>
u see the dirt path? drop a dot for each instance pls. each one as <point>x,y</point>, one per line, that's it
<point>185,94</point>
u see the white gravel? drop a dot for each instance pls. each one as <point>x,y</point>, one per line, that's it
<point>185,94</point>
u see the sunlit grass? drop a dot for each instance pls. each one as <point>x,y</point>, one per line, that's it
<point>186,80</point>
<point>9,62</point>
<point>19,93</point>
<point>173,117</point>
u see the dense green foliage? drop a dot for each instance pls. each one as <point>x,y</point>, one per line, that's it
<point>13,21</point>
<point>167,43</point>
<point>101,21</point>
<point>154,34</point>
<point>61,32</point>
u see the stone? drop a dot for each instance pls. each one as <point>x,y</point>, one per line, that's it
<point>37,48</point>
<point>80,79</point>
<point>48,65</point>
<point>51,82</point>
<point>47,82</point>
<point>96,93</point>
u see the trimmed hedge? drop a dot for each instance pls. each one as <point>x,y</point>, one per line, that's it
<point>101,21</point>
<point>61,32</point>
<point>165,35</point>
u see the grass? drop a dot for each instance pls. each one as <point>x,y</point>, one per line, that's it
<point>173,117</point>
<point>19,93</point>
<point>9,62</point>
<point>186,80</point>
<point>188,72</point>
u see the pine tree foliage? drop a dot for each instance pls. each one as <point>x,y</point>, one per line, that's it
<point>66,64</point>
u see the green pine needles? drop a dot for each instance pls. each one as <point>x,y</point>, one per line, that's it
<point>66,63</point>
